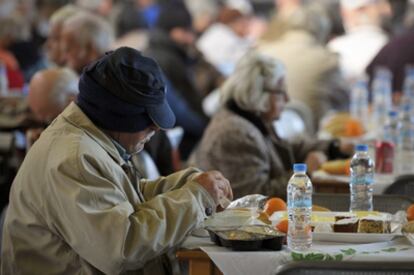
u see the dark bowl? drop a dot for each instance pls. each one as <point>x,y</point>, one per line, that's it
<point>261,242</point>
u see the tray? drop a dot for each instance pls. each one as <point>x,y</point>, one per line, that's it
<point>260,242</point>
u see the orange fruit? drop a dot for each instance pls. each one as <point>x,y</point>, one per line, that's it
<point>273,205</point>
<point>410,212</point>
<point>353,128</point>
<point>283,226</point>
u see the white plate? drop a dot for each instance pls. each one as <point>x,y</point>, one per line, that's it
<point>354,237</point>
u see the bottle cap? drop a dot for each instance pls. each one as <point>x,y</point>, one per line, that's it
<point>299,167</point>
<point>361,147</point>
<point>392,113</point>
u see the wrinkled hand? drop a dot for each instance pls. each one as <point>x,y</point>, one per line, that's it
<point>216,185</point>
<point>314,160</point>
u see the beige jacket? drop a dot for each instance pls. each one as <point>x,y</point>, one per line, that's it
<point>74,210</point>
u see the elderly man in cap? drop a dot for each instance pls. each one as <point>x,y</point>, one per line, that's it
<point>77,206</point>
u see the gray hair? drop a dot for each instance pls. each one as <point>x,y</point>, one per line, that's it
<point>63,13</point>
<point>65,85</point>
<point>249,85</point>
<point>88,27</point>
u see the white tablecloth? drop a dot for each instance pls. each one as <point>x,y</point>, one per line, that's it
<point>265,262</point>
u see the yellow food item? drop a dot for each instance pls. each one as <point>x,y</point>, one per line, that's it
<point>337,167</point>
<point>319,208</point>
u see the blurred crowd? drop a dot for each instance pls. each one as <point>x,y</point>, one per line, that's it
<point>324,45</point>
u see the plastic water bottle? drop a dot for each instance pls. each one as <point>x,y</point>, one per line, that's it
<point>359,101</point>
<point>362,178</point>
<point>405,149</point>
<point>408,88</point>
<point>382,100</point>
<point>391,128</point>
<point>299,200</point>
<point>4,83</point>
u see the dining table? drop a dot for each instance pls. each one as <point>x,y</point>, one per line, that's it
<point>206,258</point>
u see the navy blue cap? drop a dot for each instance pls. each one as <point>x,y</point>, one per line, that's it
<point>125,91</point>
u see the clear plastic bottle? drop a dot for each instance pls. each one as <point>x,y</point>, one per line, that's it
<point>4,83</point>
<point>299,200</point>
<point>405,148</point>
<point>362,178</point>
<point>391,128</point>
<point>359,101</point>
<point>408,88</point>
<point>381,94</point>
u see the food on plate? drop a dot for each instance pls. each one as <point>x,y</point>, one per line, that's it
<point>368,224</point>
<point>263,217</point>
<point>343,125</point>
<point>260,229</point>
<point>374,225</point>
<point>354,128</point>
<point>273,205</point>
<point>348,225</point>
<point>408,227</point>
<point>410,213</point>
<point>345,216</point>
<point>283,225</point>
<point>323,228</point>
<point>337,167</point>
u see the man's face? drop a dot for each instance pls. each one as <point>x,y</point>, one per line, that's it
<point>74,53</point>
<point>53,45</point>
<point>134,142</point>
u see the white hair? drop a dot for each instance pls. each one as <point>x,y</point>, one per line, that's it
<point>90,28</point>
<point>249,85</point>
<point>63,13</point>
<point>65,86</point>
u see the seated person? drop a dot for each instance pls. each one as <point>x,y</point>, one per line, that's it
<point>77,206</point>
<point>50,91</point>
<point>240,139</point>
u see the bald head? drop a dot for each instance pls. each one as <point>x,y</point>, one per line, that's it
<point>51,91</point>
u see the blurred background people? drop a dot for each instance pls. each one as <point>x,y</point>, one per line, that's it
<point>53,41</point>
<point>313,71</point>
<point>85,38</point>
<point>50,92</point>
<point>364,36</point>
<point>240,139</point>
<point>225,41</point>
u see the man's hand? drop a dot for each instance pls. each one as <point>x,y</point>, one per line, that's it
<point>216,185</point>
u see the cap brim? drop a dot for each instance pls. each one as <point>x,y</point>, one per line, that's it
<point>162,115</point>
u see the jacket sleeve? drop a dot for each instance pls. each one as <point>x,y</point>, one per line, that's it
<point>174,181</point>
<point>94,215</point>
<point>302,146</point>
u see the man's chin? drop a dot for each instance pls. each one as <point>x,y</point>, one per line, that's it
<point>137,149</point>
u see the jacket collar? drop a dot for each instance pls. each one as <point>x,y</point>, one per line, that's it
<point>74,115</point>
<point>255,120</point>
